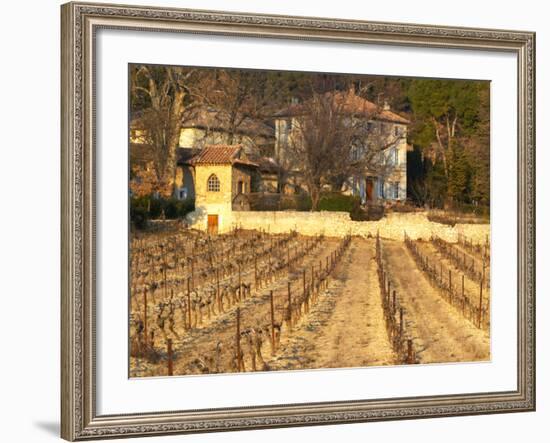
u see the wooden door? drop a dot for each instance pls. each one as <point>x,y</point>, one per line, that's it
<point>370,188</point>
<point>212,224</point>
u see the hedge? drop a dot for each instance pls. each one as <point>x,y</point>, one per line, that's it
<point>143,209</point>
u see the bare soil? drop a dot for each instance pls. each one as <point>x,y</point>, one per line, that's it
<point>346,328</point>
<point>471,287</point>
<point>441,334</point>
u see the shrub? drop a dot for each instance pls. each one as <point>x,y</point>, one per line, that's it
<point>139,212</point>
<point>357,213</point>
<point>338,202</point>
<point>403,207</point>
<point>174,208</point>
<point>156,207</point>
<point>286,204</point>
<point>143,209</point>
<point>303,202</point>
<point>295,202</point>
<point>261,201</point>
<point>468,208</point>
<point>452,218</point>
<point>375,212</point>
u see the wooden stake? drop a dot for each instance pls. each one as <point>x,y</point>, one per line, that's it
<point>238,341</point>
<point>272,322</point>
<point>480,302</point>
<point>400,323</point>
<point>289,307</point>
<point>463,296</point>
<point>170,362</point>
<point>288,257</point>
<point>189,301</point>
<point>410,357</point>
<point>256,272</point>
<point>192,272</point>
<point>240,282</point>
<point>145,316</point>
<point>218,287</point>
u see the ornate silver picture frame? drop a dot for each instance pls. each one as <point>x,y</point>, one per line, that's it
<point>79,417</point>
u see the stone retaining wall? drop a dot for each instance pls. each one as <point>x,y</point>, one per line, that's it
<point>339,224</point>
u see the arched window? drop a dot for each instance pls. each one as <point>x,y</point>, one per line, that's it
<point>213,184</point>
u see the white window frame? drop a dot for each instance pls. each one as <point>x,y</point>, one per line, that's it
<point>392,158</point>
<point>380,188</point>
<point>395,190</point>
<point>213,183</point>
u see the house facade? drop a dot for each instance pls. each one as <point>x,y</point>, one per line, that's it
<point>385,133</point>
<point>222,180</point>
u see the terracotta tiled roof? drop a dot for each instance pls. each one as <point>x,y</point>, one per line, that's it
<point>350,103</point>
<point>216,154</point>
<point>217,120</point>
<point>221,155</point>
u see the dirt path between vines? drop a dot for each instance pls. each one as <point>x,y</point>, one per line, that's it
<point>441,334</point>
<point>346,327</point>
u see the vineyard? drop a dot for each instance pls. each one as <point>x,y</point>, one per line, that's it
<point>253,301</point>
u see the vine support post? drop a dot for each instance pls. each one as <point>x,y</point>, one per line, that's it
<point>238,342</point>
<point>289,313</point>
<point>272,322</point>
<point>145,314</point>
<point>170,357</point>
<point>463,295</point>
<point>480,303</point>
<point>189,301</point>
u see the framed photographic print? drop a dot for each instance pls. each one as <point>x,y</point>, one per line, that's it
<point>283,221</point>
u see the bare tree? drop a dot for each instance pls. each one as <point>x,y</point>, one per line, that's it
<point>233,94</point>
<point>242,100</point>
<point>164,93</point>
<point>333,139</point>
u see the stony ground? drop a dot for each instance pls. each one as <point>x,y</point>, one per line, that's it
<point>344,328</point>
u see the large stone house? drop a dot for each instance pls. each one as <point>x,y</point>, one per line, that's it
<point>385,132</point>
